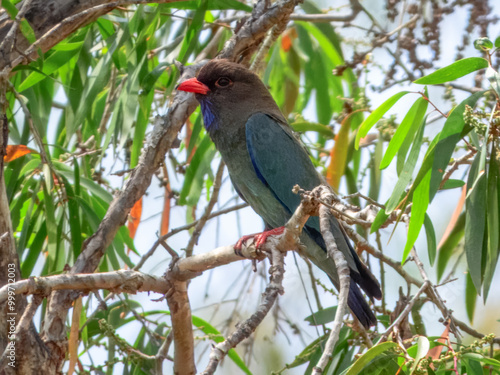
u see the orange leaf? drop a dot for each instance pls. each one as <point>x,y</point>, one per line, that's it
<point>287,39</point>
<point>16,151</point>
<point>454,217</point>
<point>338,154</point>
<point>435,352</point>
<point>286,42</point>
<point>134,218</point>
<point>73,335</point>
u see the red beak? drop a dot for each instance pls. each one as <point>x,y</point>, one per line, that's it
<point>193,85</point>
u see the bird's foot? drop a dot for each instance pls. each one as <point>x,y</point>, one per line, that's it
<point>239,244</point>
<point>259,239</point>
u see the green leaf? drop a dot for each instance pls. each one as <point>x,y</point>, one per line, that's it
<point>483,44</point>
<point>492,222</point>
<point>372,353</point>
<point>307,353</point>
<point>470,297</point>
<point>497,42</point>
<point>473,367</point>
<point>448,248</point>
<point>50,65</point>
<point>407,172</point>
<point>217,336</point>
<point>193,32</point>
<point>322,316</point>
<point>454,71</point>
<point>10,8</point>
<point>211,5</point>
<point>475,221</point>
<point>27,31</point>
<point>452,184</point>
<point>375,173</point>
<point>74,218</point>
<point>409,125</point>
<point>35,249</point>
<point>418,211</point>
<point>199,166</point>
<point>376,115</point>
<point>447,141</point>
<point>379,220</point>
<point>51,223</point>
<point>306,126</point>
<point>486,360</point>
<point>431,239</point>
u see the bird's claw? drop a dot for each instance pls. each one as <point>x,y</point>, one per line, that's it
<point>259,239</point>
<point>239,244</point>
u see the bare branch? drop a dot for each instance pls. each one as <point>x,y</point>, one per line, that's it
<point>127,281</point>
<point>344,280</point>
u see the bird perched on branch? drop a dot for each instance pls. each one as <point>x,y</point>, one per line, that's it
<point>265,161</point>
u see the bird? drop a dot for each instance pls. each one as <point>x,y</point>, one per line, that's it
<point>265,160</point>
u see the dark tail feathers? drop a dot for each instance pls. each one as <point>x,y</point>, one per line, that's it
<point>359,307</point>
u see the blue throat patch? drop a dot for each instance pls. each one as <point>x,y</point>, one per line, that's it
<point>210,120</point>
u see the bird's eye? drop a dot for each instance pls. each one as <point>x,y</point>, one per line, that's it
<point>223,82</point>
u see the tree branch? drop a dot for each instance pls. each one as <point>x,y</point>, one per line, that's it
<point>344,281</point>
<point>126,281</point>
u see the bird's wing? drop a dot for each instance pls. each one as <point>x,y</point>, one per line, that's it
<point>281,162</point>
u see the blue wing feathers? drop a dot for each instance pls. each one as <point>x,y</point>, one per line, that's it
<point>270,146</point>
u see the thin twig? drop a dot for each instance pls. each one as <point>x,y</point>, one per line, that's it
<point>174,231</point>
<point>405,312</point>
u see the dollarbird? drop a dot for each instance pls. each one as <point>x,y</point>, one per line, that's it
<point>265,161</point>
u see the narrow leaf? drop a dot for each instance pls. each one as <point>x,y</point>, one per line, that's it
<point>410,123</point>
<point>305,126</point>
<point>338,155</point>
<point>431,239</point>
<point>447,141</point>
<point>322,316</point>
<point>456,70</point>
<point>492,222</point>
<point>448,246</point>
<point>475,221</point>
<point>217,336</point>
<point>16,151</point>
<point>376,115</point>
<point>420,204</point>
<point>470,297</point>
<point>372,353</point>
<point>452,184</point>
<point>134,218</point>
<point>407,172</point>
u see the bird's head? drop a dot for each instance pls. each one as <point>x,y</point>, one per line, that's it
<point>228,91</point>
